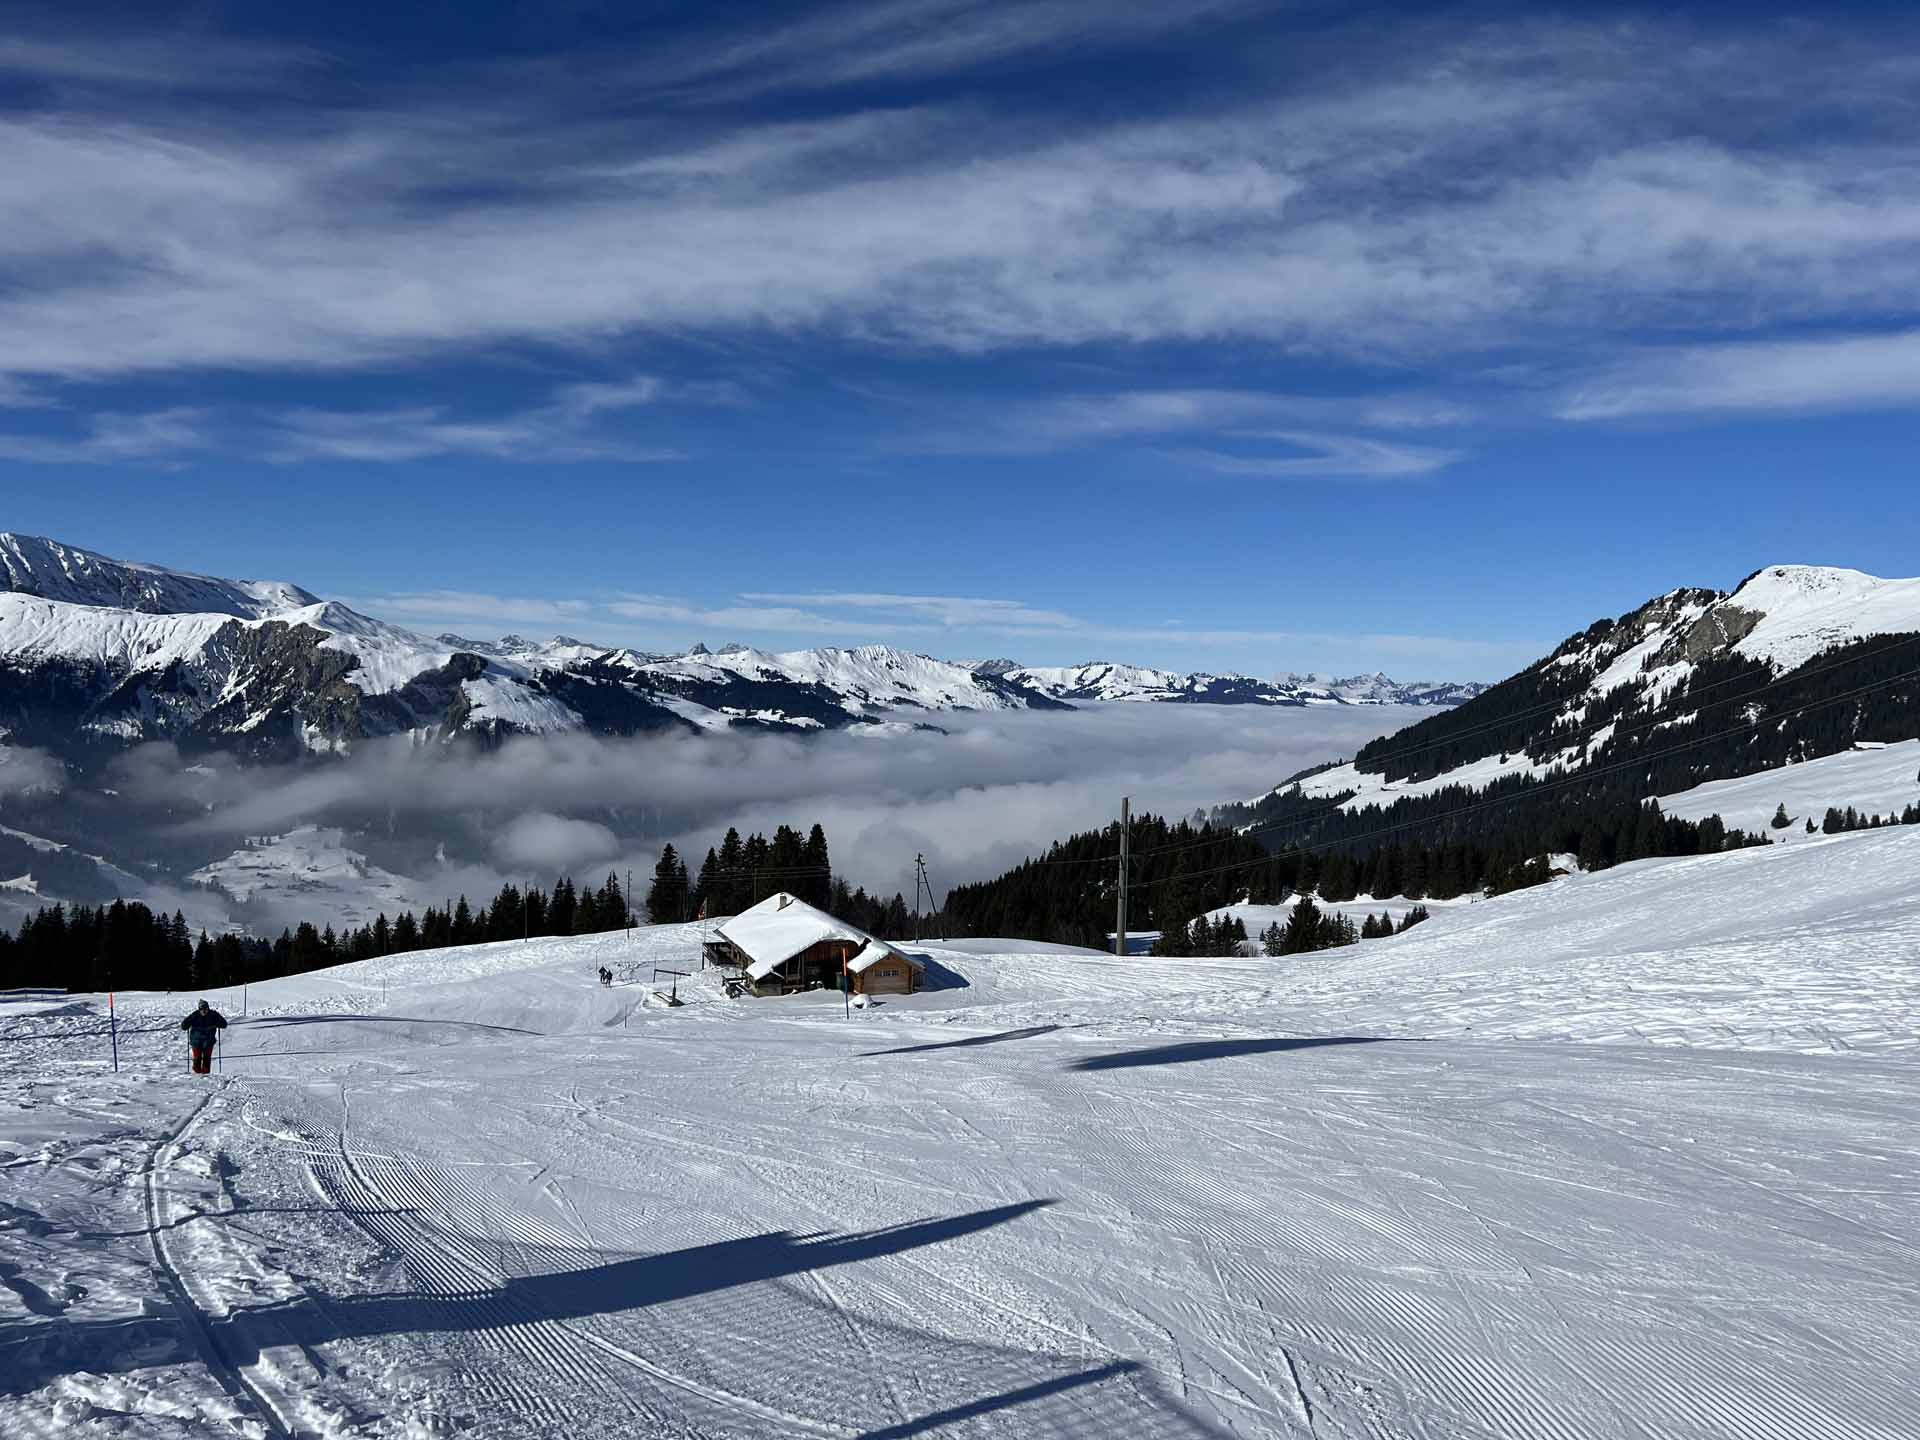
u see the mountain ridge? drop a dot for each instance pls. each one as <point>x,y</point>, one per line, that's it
<point>1695,685</point>
<point>98,653</point>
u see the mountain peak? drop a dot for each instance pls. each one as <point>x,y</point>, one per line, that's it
<point>39,566</point>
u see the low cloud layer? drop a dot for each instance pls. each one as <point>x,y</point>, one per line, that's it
<point>974,801</point>
<point>24,771</point>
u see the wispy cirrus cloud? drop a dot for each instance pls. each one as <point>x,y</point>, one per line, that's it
<point>1374,212</point>
<point>434,608</point>
<point>1081,420</point>
<point>783,619</point>
<point>903,40</point>
<point>937,622</point>
<point>952,611</point>
<point>568,427</point>
<point>561,430</point>
<point>1846,372</point>
<point>152,61</point>
<point>159,436</point>
<point>1355,457</point>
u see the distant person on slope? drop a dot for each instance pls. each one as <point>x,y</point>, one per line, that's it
<point>203,1027</point>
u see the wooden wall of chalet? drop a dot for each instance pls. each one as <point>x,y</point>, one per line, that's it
<point>886,977</point>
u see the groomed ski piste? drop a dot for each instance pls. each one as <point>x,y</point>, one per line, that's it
<point>1632,1154</point>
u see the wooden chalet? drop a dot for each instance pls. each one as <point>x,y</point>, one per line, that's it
<point>786,945</point>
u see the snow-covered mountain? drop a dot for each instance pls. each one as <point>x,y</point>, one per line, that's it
<point>1694,686</point>
<point>31,565</point>
<point>1381,689</point>
<point>1103,680</point>
<point>97,653</point>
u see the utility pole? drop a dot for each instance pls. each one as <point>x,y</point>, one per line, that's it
<point>919,871</point>
<point>1126,847</point>
<point>933,905</point>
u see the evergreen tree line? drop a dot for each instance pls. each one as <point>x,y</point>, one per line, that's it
<point>126,946</point>
<point>1841,822</point>
<point>1310,928</point>
<point>740,872</point>
<point>1204,937</point>
<point>1068,894</point>
<point>1307,928</point>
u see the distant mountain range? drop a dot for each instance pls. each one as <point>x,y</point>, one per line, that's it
<point>97,654</point>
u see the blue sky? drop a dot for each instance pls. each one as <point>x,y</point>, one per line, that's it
<point>1212,335</point>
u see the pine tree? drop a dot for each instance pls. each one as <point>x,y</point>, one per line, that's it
<point>561,911</point>
<point>1781,819</point>
<point>817,886</point>
<point>667,896</point>
<point>1173,940</point>
<point>1303,929</point>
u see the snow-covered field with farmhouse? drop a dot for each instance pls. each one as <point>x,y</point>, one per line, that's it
<point>1628,1155</point>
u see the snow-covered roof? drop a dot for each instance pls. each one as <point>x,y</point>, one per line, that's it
<point>876,951</point>
<point>780,927</point>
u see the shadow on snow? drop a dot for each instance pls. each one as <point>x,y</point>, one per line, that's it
<point>1189,1051</point>
<point>1026,1034</point>
<point>31,1356</point>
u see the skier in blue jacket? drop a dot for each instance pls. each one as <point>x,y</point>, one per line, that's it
<point>203,1027</point>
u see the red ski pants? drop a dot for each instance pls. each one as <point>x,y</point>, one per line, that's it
<point>202,1059</point>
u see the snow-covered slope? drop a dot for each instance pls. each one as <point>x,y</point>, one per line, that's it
<point>1804,611</point>
<point>310,873</point>
<point>1877,780</point>
<point>1623,1157</point>
<point>865,681</point>
<point>1694,686</point>
<point>33,565</point>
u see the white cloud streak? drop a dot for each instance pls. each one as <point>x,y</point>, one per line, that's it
<point>165,436</point>
<point>1856,372</point>
<point>903,40</point>
<point>1341,456</point>
<point>1011,616</point>
<point>204,62</point>
<point>1382,214</point>
<point>1076,421</point>
<point>561,430</point>
<point>920,621</point>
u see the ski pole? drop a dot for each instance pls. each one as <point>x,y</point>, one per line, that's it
<point>113,1026</point>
